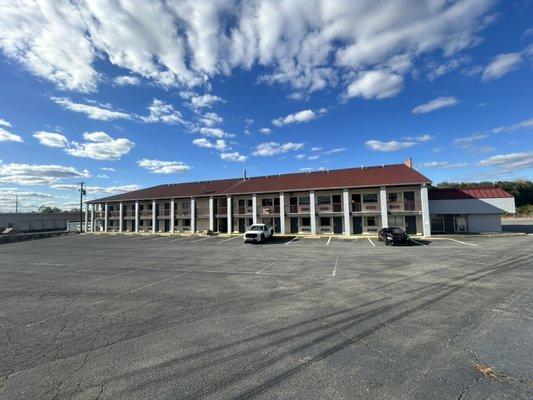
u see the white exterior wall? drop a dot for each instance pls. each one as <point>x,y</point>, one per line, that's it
<point>480,223</point>
<point>472,206</point>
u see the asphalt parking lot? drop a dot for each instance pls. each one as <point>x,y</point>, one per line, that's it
<point>144,317</point>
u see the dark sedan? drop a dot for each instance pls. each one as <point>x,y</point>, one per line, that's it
<point>393,235</point>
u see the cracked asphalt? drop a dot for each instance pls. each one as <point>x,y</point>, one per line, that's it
<point>146,317</point>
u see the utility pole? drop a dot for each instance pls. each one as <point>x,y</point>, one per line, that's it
<point>82,193</point>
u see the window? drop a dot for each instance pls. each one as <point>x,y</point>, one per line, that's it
<point>370,221</point>
<point>187,222</point>
<point>460,223</point>
<point>141,207</point>
<point>249,203</point>
<point>325,221</point>
<point>304,200</point>
<point>437,223</point>
<point>306,221</point>
<point>185,205</point>
<point>370,198</point>
<point>393,197</point>
<point>267,202</point>
<point>396,220</point>
<point>323,200</point>
<point>167,206</point>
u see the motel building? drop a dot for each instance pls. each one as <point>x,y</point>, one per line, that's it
<point>354,201</point>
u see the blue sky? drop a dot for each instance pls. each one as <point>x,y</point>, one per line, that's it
<point>123,96</point>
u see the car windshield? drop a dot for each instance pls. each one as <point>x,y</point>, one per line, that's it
<point>396,230</point>
<point>256,228</point>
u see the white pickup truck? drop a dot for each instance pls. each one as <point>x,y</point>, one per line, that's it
<point>258,233</point>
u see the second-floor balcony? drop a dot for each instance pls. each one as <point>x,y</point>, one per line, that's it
<point>99,214</point>
<point>299,209</point>
<point>114,214</point>
<point>327,208</point>
<point>183,212</point>
<point>404,206</point>
<point>202,212</point>
<point>268,210</point>
<point>128,213</point>
<point>244,210</point>
<point>164,213</point>
<point>145,214</point>
<point>222,211</point>
<point>368,208</point>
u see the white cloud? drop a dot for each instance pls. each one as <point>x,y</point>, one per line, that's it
<point>51,139</point>
<point>219,144</point>
<point>109,169</point>
<point>36,174</point>
<point>501,65</point>
<point>27,200</point>
<point>183,44</point>
<point>102,112</point>
<point>298,117</point>
<point>299,156</point>
<point>442,164</point>
<point>306,169</point>
<point>206,100</point>
<point>6,136</point>
<point>100,146</point>
<point>265,131</point>
<point>422,138</point>
<point>375,84</point>
<point>393,145</point>
<point>97,189</point>
<point>214,132</point>
<point>127,80</point>
<point>163,167</point>
<point>163,112</point>
<point>236,157</point>
<point>5,123</point>
<point>520,125</point>
<point>211,119</point>
<point>439,102</point>
<point>102,176</point>
<point>316,148</point>
<point>467,141</point>
<point>315,157</point>
<point>509,162</point>
<point>270,149</point>
<point>336,150</point>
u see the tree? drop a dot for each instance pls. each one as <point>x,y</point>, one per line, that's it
<point>44,209</point>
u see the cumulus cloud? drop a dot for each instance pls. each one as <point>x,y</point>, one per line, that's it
<point>439,102</point>
<point>235,157</point>
<point>501,65</point>
<point>37,174</point>
<point>183,44</point>
<point>6,136</point>
<point>298,117</point>
<point>375,85</point>
<point>97,189</point>
<point>219,144</point>
<point>5,123</point>
<point>51,139</point>
<point>422,138</point>
<point>109,169</point>
<point>265,131</point>
<point>442,164</point>
<point>163,112</point>
<point>163,167</point>
<point>393,145</point>
<point>100,146</point>
<point>509,162</point>
<point>210,119</point>
<point>213,132</point>
<point>102,112</point>
<point>270,149</point>
<point>27,200</point>
<point>126,80</point>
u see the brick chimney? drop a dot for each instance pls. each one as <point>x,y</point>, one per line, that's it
<point>409,162</point>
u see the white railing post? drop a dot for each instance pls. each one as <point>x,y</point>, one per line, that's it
<point>154,215</point>
<point>211,214</point>
<point>86,218</point>
<point>282,213</point>
<point>254,206</point>
<point>92,217</point>
<point>193,212</point>
<point>424,202</point>
<point>312,211</point>
<point>105,218</point>
<point>121,216</point>
<point>172,216</point>
<point>346,211</point>
<point>384,207</point>
<point>136,217</point>
<point>229,221</point>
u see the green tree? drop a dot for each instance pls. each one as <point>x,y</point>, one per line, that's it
<point>49,210</point>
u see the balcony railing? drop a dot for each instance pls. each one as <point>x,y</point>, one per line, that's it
<point>183,212</point>
<point>328,208</point>
<point>222,210</point>
<point>299,209</point>
<point>145,214</point>
<point>365,207</point>
<point>99,214</point>
<point>244,210</point>
<point>404,206</point>
<point>129,213</point>
<point>202,212</point>
<point>268,210</point>
<point>164,213</point>
<point>114,214</point>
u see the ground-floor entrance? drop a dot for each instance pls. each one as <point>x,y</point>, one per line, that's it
<point>410,224</point>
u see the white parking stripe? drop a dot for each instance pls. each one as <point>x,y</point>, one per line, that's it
<point>179,239</point>
<point>199,240</point>
<point>227,240</point>
<point>329,240</point>
<point>458,241</point>
<point>370,240</point>
<point>416,241</point>
<point>292,240</point>
<point>335,267</point>
<point>271,264</point>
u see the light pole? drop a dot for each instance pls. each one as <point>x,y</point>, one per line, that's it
<point>82,193</point>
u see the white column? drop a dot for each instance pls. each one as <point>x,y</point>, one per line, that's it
<point>254,206</point>
<point>172,215</point>
<point>384,207</point>
<point>92,217</point>
<point>211,214</point>
<point>346,210</point>
<point>424,202</point>
<point>121,216</point>
<point>282,213</point>
<point>86,218</point>
<point>154,215</point>
<point>193,213</point>
<point>230,224</point>
<point>313,211</point>
<point>105,217</point>
<point>136,217</point>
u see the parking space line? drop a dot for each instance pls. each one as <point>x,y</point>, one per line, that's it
<point>329,240</point>
<point>271,264</point>
<point>416,241</point>
<point>292,240</point>
<point>227,240</point>
<point>335,267</point>
<point>155,283</point>
<point>370,240</point>
<point>199,240</point>
<point>178,239</point>
<point>458,241</point>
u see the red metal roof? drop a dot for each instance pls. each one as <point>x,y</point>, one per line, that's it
<point>387,175</point>
<point>489,192</point>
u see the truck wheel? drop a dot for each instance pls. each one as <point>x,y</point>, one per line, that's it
<point>262,238</point>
